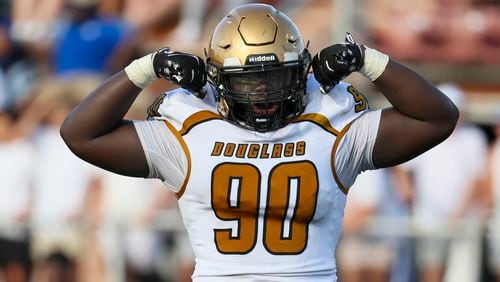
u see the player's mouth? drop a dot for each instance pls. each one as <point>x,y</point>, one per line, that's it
<point>263,109</point>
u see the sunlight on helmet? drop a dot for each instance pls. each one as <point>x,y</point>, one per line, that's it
<point>258,63</point>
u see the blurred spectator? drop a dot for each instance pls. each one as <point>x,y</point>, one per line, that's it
<point>436,31</point>
<point>130,244</point>
<point>489,33</point>
<point>367,251</point>
<point>363,257</point>
<point>494,186</point>
<point>395,206</point>
<point>4,94</point>
<point>88,41</point>
<point>143,13</point>
<point>15,69</point>
<point>61,189</point>
<point>445,182</point>
<point>393,26</point>
<point>153,21</point>
<point>193,16</point>
<point>190,27</point>
<point>7,50</point>
<point>34,21</point>
<point>16,169</point>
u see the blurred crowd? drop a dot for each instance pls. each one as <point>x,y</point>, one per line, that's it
<point>434,218</point>
<point>62,219</point>
<point>443,31</point>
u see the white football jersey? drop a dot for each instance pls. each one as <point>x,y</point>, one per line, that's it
<point>260,206</point>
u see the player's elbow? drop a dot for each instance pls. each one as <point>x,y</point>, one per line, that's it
<point>449,121</point>
<point>453,116</point>
<point>69,134</point>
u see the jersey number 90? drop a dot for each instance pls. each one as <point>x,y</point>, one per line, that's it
<point>292,190</point>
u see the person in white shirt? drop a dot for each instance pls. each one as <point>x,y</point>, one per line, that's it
<point>493,193</point>
<point>16,174</point>
<point>361,251</point>
<point>445,180</point>
<point>62,187</point>
<point>131,239</point>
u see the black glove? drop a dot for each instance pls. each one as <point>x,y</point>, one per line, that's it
<point>186,70</point>
<point>337,61</point>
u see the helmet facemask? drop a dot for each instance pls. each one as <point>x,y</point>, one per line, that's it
<point>262,97</point>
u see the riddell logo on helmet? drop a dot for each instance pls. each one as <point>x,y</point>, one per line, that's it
<point>262,58</point>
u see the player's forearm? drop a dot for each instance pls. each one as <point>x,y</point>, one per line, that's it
<point>102,111</point>
<point>414,96</point>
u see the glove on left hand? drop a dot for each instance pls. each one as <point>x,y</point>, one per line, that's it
<point>337,61</point>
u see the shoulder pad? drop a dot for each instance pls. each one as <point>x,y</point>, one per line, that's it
<point>179,104</point>
<point>341,105</point>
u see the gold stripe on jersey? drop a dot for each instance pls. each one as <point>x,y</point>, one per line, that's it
<point>177,135</point>
<point>197,118</point>
<point>332,158</point>
<point>320,120</point>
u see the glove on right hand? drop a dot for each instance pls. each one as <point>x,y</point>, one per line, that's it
<point>184,69</point>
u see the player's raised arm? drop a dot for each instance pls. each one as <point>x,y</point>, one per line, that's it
<point>420,116</point>
<point>96,131</point>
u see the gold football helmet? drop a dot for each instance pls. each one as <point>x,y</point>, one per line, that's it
<point>259,65</point>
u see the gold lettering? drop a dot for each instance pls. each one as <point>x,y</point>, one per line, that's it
<point>263,153</point>
<point>253,151</point>
<point>217,150</point>
<point>229,151</point>
<point>277,150</point>
<point>240,152</point>
<point>289,149</point>
<point>301,148</point>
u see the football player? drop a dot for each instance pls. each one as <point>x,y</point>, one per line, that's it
<point>262,156</point>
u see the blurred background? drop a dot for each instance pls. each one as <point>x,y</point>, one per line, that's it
<point>434,218</point>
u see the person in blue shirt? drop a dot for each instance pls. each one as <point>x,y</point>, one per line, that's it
<point>87,41</point>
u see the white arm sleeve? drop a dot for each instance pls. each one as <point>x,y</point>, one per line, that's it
<point>164,154</point>
<point>354,154</point>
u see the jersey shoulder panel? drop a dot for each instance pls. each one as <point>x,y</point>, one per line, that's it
<point>177,105</point>
<point>341,105</point>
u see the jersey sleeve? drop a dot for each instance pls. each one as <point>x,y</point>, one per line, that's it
<point>164,154</point>
<point>354,153</point>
